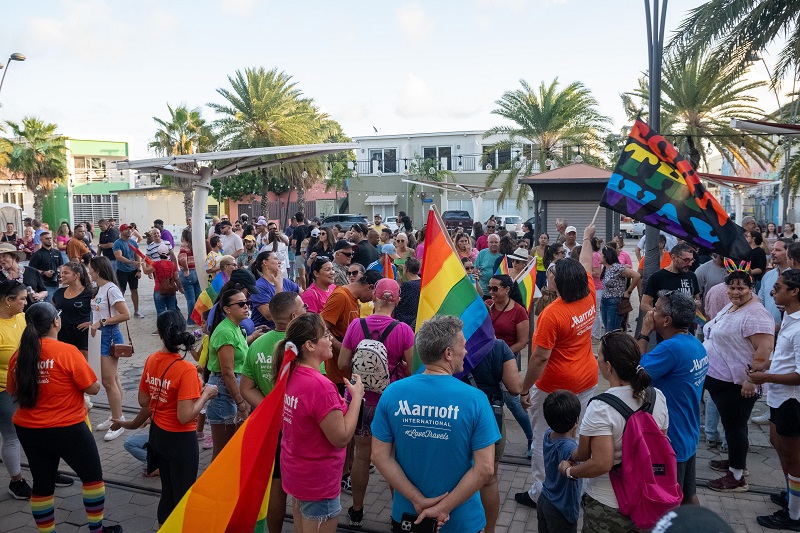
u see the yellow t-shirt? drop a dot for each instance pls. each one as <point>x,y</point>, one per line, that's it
<point>366,309</point>
<point>10,335</point>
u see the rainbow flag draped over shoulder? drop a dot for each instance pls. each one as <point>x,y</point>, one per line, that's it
<point>527,285</point>
<point>207,298</point>
<point>502,267</point>
<point>447,290</point>
<point>232,494</point>
<point>653,183</point>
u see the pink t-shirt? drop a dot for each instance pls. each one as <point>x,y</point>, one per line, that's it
<point>400,339</point>
<point>315,298</point>
<point>598,283</point>
<point>625,259</point>
<point>482,242</point>
<point>311,466</point>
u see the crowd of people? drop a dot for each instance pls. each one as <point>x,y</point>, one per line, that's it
<point>347,298</point>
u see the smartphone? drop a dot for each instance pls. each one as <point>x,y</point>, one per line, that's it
<point>428,525</point>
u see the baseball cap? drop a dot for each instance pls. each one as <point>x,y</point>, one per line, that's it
<point>243,277</point>
<point>691,519</point>
<point>163,249</point>
<point>249,238</point>
<point>387,290</point>
<point>225,222</point>
<point>315,232</point>
<point>124,227</point>
<point>571,229</point>
<point>261,221</point>
<point>389,249</point>
<point>342,244</point>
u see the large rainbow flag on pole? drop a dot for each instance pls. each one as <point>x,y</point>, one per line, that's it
<point>207,298</point>
<point>232,494</point>
<point>527,285</point>
<point>447,290</point>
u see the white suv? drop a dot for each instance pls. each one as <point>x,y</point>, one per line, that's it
<point>512,223</point>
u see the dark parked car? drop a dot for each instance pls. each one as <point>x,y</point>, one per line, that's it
<point>346,220</point>
<point>458,219</point>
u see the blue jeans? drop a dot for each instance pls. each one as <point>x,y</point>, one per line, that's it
<point>50,292</point>
<point>164,303</point>
<point>514,405</point>
<point>191,288</point>
<point>608,310</point>
<point>712,422</point>
<point>134,445</point>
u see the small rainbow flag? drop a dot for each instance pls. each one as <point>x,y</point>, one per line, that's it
<point>527,285</point>
<point>388,268</point>
<point>233,492</point>
<point>502,268</point>
<point>447,290</point>
<point>700,319</point>
<point>207,298</point>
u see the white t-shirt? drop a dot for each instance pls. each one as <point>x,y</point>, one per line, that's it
<point>672,241</point>
<point>602,419</point>
<point>103,303</point>
<point>282,253</point>
<point>231,243</point>
<point>726,340</point>
<point>785,360</point>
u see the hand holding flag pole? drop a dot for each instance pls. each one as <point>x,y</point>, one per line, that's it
<point>140,254</point>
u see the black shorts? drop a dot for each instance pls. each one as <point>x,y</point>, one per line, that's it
<point>786,418</point>
<point>127,278</point>
<point>687,477</point>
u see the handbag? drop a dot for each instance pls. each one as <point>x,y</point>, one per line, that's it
<point>624,306</point>
<point>120,350</point>
<point>152,457</point>
<point>546,299</point>
<point>168,286</point>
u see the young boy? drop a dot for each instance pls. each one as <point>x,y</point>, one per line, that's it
<point>558,506</point>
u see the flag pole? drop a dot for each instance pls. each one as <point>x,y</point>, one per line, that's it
<point>595,216</point>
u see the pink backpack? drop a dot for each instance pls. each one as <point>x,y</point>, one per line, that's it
<point>646,481</point>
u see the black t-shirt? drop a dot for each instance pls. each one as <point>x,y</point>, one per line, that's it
<point>47,259</point>
<point>364,253</point>
<point>758,259</point>
<point>74,311</point>
<point>108,237</point>
<point>299,234</point>
<point>406,310</point>
<point>664,280</point>
<point>7,238</point>
<point>488,375</point>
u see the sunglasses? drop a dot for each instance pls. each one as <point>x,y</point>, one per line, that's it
<point>347,254</point>
<point>242,305</point>
<point>494,288</point>
<point>491,227</point>
<point>353,272</point>
<point>469,268</point>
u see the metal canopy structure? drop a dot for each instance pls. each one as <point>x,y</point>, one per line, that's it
<point>475,192</point>
<point>200,167</point>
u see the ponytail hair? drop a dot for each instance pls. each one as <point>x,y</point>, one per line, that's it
<point>171,328</point>
<point>223,300</point>
<point>79,269</point>
<point>307,327</point>
<point>622,353</point>
<point>39,318</point>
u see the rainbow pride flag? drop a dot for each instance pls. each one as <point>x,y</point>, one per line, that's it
<point>700,319</point>
<point>502,268</point>
<point>233,492</point>
<point>207,298</point>
<point>388,269</point>
<point>447,290</point>
<point>527,285</point>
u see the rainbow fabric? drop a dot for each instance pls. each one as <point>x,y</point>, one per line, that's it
<point>700,319</point>
<point>502,268</point>
<point>447,290</point>
<point>233,492</point>
<point>388,269</point>
<point>207,298</point>
<point>527,285</point>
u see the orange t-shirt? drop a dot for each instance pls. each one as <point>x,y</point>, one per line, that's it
<point>63,375</point>
<point>340,309</point>
<point>181,382</point>
<point>566,329</point>
<point>666,260</point>
<point>76,248</point>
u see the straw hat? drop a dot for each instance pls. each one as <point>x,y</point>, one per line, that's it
<point>8,248</point>
<point>520,254</point>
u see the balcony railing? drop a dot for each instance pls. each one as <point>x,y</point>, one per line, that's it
<point>464,163</point>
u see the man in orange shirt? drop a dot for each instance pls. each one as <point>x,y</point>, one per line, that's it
<point>339,310</point>
<point>76,248</point>
<point>562,356</point>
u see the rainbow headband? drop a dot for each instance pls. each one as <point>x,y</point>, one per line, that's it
<point>731,267</point>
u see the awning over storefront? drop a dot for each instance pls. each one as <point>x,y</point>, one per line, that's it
<point>381,200</point>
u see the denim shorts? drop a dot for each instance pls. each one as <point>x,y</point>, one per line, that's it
<point>108,335</point>
<point>320,510</point>
<point>222,408</point>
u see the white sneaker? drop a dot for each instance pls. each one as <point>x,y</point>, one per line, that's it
<point>137,314</point>
<point>760,419</point>
<point>104,425</point>
<point>111,434</point>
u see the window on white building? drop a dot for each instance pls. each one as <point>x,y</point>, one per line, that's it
<point>439,153</point>
<point>383,159</point>
<point>94,207</point>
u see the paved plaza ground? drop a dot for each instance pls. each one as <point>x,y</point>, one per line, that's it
<point>131,499</point>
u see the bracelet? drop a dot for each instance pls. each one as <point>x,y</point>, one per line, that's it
<point>525,393</point>
<point>568,473</point>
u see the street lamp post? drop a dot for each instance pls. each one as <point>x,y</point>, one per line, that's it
<point>13,57</point>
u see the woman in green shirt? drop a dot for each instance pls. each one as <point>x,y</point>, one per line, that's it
<point>227,349</point>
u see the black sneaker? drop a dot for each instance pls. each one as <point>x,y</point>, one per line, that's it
<point>525,499</point>
<point>112,529</point>
<point>347,487</point>
<point>780,499</point>
<point>20,489</point>
<point>779,520</point>
<point>356,517</point>
<point>64,481</point>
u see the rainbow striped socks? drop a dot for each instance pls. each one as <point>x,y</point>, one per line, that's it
<point>94,500</point>
<point>43,513</point>
<point>794,496</point>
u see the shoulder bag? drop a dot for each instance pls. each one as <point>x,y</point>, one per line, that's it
<point>120,350</point>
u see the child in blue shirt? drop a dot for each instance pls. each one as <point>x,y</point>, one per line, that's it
<point>558,506</point>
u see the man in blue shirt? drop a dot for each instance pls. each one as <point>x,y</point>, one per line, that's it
<point>678,367</point>
<point>487,259</point>
<point>431,419</point>
<point>128,272</point>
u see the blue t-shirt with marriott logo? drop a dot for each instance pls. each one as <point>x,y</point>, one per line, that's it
<point>436,423</point>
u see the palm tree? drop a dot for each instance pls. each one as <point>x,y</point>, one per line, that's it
<point>549,119</point>
<point>737,27</point>
<point>38,155</point>
<point>185,132</point>
<point>698,100</point>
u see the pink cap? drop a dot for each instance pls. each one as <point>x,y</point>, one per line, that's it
<point>387,290</point>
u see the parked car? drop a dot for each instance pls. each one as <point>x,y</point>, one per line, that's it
<point>458,219</point>
<point>391,223</point>
<point>512,223</point>
<point>632,228</point>
<point>346,220</point>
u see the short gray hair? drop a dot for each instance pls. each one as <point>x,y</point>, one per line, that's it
<point>561,222</point>
<point>679,306</point>
<point>436,335</point>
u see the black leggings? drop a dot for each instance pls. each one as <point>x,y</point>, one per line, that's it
<point>178,460</point>
<point>44,447</point>
<point>734,411</point>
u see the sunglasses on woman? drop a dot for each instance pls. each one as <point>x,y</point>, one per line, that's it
<point>353,272</point>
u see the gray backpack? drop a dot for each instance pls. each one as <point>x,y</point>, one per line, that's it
<point>371,360</point>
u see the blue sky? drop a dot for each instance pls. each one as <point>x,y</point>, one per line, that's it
<point>101,69</point>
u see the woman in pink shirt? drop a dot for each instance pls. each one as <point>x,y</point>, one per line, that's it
<point>321,277</point>
<point>317,426</point>
<point>597,272</point>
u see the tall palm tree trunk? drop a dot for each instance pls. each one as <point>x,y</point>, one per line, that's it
<point>301,199</point>
<point>188,200</point>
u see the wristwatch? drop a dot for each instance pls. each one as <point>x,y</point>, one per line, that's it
<point>102,322</point>
<point>643,337</point>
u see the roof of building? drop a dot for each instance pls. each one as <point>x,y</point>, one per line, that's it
<point>575,172</point>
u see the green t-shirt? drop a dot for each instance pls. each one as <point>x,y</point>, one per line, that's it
<point>258,362</point>
<point>227,333</point>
